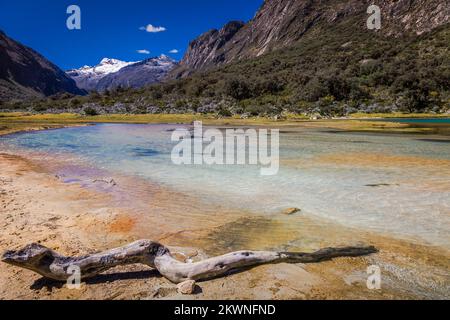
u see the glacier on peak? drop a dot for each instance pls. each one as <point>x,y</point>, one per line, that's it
<point>111,73</point>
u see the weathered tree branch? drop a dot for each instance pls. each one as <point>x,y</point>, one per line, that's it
<point>50,264</point>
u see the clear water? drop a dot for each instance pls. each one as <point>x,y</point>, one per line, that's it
<point>392,184</point>
<point>420,120</point>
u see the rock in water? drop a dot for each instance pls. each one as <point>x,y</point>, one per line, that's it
<point>291,211</point>
<point>187,287</point>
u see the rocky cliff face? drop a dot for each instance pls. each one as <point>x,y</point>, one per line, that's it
<point>281,23</point>
<point>24,73</point>
<point>207,49</point>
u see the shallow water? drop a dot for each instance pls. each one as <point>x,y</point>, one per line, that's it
<point>420,120</point>
<point>397,185</point>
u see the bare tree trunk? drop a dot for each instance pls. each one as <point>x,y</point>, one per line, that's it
<point>50,264</point>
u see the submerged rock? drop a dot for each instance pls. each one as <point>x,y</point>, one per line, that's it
<point>107,181</point>
<point>291,211</point>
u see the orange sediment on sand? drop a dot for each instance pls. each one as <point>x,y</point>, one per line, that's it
<point>37,207</point>
<point>122,224</point>
<point>372,160</point>
<point>382,160</point>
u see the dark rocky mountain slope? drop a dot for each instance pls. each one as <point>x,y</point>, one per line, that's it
<point>282,23</point>
<point>24,73</point>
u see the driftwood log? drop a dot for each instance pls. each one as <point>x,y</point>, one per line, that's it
<point>52,265</point>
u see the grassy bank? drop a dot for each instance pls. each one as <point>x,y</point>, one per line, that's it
<point>16,122</point>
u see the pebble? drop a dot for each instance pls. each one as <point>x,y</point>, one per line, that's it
<point>186,287</point>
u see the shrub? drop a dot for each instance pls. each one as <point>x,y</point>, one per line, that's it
<point>237,89</point>
<point>89,111</point>
<point>225,112</point>
<point>40,107</point>
<point>269,86</point>
<point>313,91</point>
<point>180,104</point>
<point>75,102</point>
<point>156,94</point>
<point>370,67</point>
<point>415,100</point>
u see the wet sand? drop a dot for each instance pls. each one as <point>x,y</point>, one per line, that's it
<point>37,206</point>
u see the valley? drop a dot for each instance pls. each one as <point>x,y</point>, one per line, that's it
<point>128,129</point>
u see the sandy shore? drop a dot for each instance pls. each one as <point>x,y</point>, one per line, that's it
<point>36,206</point>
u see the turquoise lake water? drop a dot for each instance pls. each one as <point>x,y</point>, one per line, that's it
<point>393,184</point>
<point>419,121</point>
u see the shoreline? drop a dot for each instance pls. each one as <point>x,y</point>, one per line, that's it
<point>76,220</point>
<point>36,127</point>
<point>24,122</point>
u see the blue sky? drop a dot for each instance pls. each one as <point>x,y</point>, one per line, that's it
<point>110,28</point>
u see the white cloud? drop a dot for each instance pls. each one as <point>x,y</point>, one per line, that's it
<point>143,51</point>
<point>152,29</point>
<point>173,51</point>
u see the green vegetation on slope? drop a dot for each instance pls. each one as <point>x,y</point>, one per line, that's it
<point>332,72</point>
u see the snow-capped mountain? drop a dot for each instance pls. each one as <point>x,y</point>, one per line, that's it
<point>112,73</point>
<point>105,67</point>
<point>88,77</point>
<point>139,74</point>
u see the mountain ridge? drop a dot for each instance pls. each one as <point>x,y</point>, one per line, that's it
<point>299,57</point>
<point>282,23</point>
<point>112,73</point>
<point>25,73</point>
<point>87,77</point>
